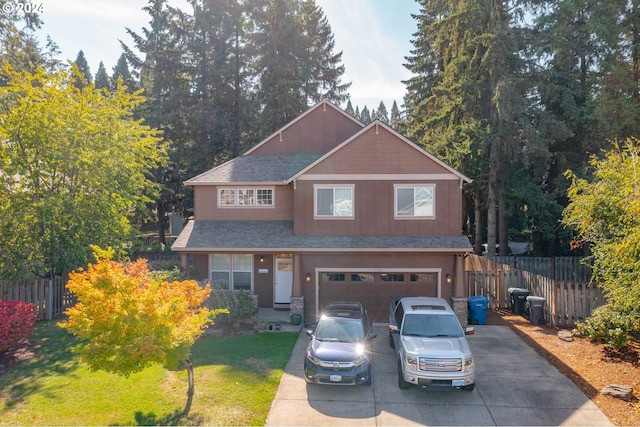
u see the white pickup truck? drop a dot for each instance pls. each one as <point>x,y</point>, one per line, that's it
<point>431,344</point>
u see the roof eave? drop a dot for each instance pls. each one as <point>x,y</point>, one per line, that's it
<point>327,250</point>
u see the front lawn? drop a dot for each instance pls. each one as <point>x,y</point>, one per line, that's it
<point>235,379</point>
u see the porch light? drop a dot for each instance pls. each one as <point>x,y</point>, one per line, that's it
<point>307,277</point>
<point>448,278</point>
<point>261,258</point>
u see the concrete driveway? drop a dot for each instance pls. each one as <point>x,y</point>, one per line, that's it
<point>514,386</point>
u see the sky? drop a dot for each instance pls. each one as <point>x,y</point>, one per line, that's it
<point>373,35</point>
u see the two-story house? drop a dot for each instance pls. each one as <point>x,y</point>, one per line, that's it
<point>328,209</point>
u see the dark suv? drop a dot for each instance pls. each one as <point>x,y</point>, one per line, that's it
<point>339,349</point>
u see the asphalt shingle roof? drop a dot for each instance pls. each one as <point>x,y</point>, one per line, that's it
<point>257,168</point>
<point>203,235</point>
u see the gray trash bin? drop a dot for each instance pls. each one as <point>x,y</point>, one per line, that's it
<point>536,310</point>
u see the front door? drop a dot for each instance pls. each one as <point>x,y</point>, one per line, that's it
<point>284,280</point>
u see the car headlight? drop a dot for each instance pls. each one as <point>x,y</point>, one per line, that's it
<point>313,359</point>
<point>360,355</point>
<point>468,363</point>
<point>412,361</point>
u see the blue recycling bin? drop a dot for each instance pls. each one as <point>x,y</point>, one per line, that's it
<point>477,310</point>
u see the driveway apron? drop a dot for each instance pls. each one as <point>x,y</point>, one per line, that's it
<point>514,386</point>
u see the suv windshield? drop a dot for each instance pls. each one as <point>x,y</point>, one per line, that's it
<point>339,329</point>
<point>431,325</point>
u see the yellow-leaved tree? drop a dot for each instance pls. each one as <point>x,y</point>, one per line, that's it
<point>128,321</point>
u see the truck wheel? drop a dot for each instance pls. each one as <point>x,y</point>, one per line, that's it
<point>401,382</point>
<point>391,344</point>
<point>469,387</point>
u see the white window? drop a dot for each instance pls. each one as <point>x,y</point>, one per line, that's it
<point>413,201</point>
<point>334,202</point>
<point>227,197</point>
<point>232,271</point>
<point>245,197</point>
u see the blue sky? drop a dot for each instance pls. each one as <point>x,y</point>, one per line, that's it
<point>374,36</point>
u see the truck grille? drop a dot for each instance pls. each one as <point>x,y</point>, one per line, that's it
<point>440,365</point>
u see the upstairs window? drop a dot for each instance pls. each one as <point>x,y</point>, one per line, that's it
<point>413,201</point>
<point>243,197</point>
<point>334,202</point>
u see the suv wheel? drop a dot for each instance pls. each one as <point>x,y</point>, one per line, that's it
<point>401,382</point>
<point>391,343</point>
<point>469,387</point>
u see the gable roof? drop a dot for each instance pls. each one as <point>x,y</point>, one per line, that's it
<point>378,123</point>
<point>274,169</point>
<point>324,104</point>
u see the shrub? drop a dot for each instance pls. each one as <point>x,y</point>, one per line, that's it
<point>170,273</point>
<point>608,325</point>
<point>16,322</point>
<point>239,303</point>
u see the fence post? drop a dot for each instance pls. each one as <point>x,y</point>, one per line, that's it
<point>50,300</point>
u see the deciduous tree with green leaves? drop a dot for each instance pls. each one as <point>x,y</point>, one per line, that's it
<point>128,320</point>
<point>605,212</point>
<point>74,165</point>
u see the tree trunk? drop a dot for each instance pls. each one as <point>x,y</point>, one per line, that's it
<point>161,224</point>
<point>189,366</point>
<point>503,237</point>
<point>477,207</point>
<point>491,216</point>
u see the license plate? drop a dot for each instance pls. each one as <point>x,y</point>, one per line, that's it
<point>335,378</point>
<point>457,383</point>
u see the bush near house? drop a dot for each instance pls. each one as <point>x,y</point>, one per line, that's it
<point>240,304</point>
<point>17,320</point>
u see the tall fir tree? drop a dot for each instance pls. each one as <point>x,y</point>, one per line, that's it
<point>468,103</point>
<point>84,78</point>
<point>121,71</point>
<point>395,117</point>
<point>349,108</point>
<point>102,78</point>
<point>577,43</point>
<point>382,114</point>
<point>292,45</point>
<point>162,73</point>
<point>365,115</point>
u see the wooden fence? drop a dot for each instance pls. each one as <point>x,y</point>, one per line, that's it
<point>50,296</point>
<point>567,301</point>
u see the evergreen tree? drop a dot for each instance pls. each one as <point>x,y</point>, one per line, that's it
<point>349,108</point>
<point>394,119</point>
<point>162,72</point>
<point>381,113</point>
<point>468,102</point>
<point>121,71</point>
<point>576,42</point>
<point>84,78</point>
<point>102,78</point>
<point>357,113</point>
<point>321,79</point>
<point>19,45</point>
<point>292,45</point>
<point>221,107</point>
<point>365,115</point>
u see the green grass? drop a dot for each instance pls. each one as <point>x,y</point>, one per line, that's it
<point>235,382</point>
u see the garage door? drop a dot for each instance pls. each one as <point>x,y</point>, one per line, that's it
<point>375,290</point>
